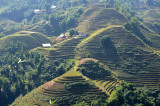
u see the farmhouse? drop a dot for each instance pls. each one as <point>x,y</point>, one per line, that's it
<point>53,7</point>
<point>62,36</point>
<point>36,10</point>
<point>45,45</point>
<point>82,35</point>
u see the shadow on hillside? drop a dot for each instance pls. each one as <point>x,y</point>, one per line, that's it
<point>111,52</point>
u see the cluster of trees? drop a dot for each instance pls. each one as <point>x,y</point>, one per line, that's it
<point>23,10</point>
<point>21,71</point>
<point>157,25</point>
<point>134,26</point>
<point>59,23</point>
<point>126,94</point>
<point>106,41</point>
<point>73,32</point>
<point>153,3</point>
<point>75,86</point>
<point>93,70</point>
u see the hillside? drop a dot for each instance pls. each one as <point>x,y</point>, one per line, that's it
<point>151,14</point>
<point>6,23</point>
<point>115,43</point>
<point>72,87</point>
<point>95,18</point>
<point>30,39</point>
<point>127,55</point>
<point>151,18</point>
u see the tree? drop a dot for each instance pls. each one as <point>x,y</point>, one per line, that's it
<point>73,32</point>
<point>93,70</point>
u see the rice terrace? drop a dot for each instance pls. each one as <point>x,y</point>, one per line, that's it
<point>79,53</point>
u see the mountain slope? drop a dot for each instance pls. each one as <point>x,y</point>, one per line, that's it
<point>131,59</point>
<point>56,90</point>
<point>95,18</point>
<point>30,39</point>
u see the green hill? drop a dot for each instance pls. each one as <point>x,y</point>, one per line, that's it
<point>70,88</point>
<point>95,18</point>
<point>127,55</point>
<point>151,14</point>
<point>6,23</point>
<point>57,90</point>
<point>30,39</point>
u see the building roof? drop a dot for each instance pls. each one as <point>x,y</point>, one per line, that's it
<point>36,10</point>
<point>62,35</point>
<point>46,45</point>
<point>53,6</point>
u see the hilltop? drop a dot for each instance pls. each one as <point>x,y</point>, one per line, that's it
<point>95,18</point>
<point>28,38</point>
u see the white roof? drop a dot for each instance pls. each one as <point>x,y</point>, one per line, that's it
<point>46,45</point>
<point>62,35</point>
<point>36,10</point>
<point>53,6</point>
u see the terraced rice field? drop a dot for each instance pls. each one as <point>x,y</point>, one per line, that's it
<point>64,50</point>
<point>129,49</point>
<point>56,87</point>
<point>148,78</point>
<point>107,86</point>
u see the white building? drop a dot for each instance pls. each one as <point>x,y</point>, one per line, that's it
<point>62,36</point>
<point>83,35</point>
<point>53,7</point>
<point>45,45</point>
<point>36,11</point>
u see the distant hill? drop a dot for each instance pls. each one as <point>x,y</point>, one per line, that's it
<point>6,23</point>
<point>30,39</point>
<point>95,18</point>
<point>152,14</point>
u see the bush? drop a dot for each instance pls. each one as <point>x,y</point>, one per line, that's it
<point>73,32</point>
<point>93,70</point>
<point>106,41</point>
<point>77,86</point>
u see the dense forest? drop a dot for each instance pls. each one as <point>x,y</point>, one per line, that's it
<point>22,69</point>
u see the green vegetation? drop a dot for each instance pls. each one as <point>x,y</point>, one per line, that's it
<point>21,71</point>
<point>77,86</point>
<point>29,39</point>
<point>93,70</point>
<point>96,18</point>
<point>133,26</point>
<point>122,44</point>
<point>106,41</point>
<point>73,32</point>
